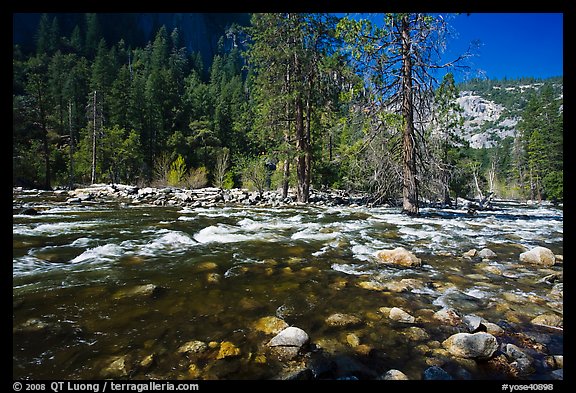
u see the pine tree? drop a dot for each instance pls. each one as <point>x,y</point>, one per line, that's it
<point>397,59</point>
<point>286,53</point>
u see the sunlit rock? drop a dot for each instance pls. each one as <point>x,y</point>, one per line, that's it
<point>270,325</point>
<point>353,340</point>
<point>116,367</point>
<point>399,315</point>
<point>194,346</point>
<point>228,350</point>
<point>287,344</point>
<point>554,361</point>
<point>493,329</point>
<point>449,316</point>
<point>486,253</point>
<point>479,345</point>
<point>394,375</point>
<point>539,256</point>
<point>204,266</point>
<point>470,253</point>
<point>398,257</point>
<point>548,319</point>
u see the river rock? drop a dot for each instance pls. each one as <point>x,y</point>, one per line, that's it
<point>404,285</point>
<point>449,316</point>
<point>146,290</point>
<point>479,345</point>
<point>415,333</point>
<point>291,336</point>
<point>228,350</point>
<point>353,340</point>
<point>470,253</point>
<point>116,367</point>
<point>473,323</point>
<point>398,257</point>
<point>194,346</point>
<point>343,320</point>
<point>548,319</point>
<point>436,373</point>
<point>399,315</point>
<point>522,363</point>
<point>454,298</point>
<point>486,253</point>
<point>287,344</point>
<point>394,375</point>
<point>32,325</point>
<point>270,325</point>
<point>539,256</point>
<point>554,361</point>
<point>493,329</point>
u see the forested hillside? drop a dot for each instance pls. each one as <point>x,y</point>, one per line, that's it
<point>284,103</point>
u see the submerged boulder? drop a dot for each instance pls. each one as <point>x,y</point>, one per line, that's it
<point>270,325</point>
<point>398,257</point>
<point>343,320</point>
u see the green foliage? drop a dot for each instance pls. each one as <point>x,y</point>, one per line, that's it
<point>294,86</point>
<point>177,172</point>
<point>554,185</point>
<point>254,174</point>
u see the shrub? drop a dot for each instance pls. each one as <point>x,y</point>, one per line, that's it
<point>197,178</point>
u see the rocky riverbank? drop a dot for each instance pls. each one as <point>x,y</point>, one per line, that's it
<point>208,197</point>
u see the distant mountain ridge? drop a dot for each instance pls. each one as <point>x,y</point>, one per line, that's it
<point>492,108</point>
<point>199,32</point>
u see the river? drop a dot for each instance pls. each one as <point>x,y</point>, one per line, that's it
<point>109,289</point>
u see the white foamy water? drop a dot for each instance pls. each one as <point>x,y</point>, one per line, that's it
<point>342,232</point>
<point>315,233</point>
<point>107,252</point>
<point>53,228</point>
<point>166,241</point>
<point>222,234</point>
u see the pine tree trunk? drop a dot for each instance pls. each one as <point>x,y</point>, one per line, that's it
<point>409,182</point>
<point>301,153</point>
<point>285,178</point>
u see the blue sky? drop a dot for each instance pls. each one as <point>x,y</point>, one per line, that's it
<point>513,45</point>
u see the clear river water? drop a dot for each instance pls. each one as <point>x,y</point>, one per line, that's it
<point>115,290</point>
